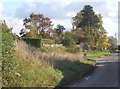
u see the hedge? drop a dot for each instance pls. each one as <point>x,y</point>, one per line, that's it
<point>38,42</point>
<point>7,56</point>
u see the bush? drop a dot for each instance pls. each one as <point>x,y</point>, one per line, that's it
<point>38,42</point>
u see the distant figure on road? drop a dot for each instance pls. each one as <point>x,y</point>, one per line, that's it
<point>85,48</point>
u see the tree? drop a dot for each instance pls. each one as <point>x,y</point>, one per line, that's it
<point>59,31</point>
<point>77,19</point>
<point>90,25</point>
<point>113,42</point>
<point>79,33</point>
<point>69,39</point>
<point>37,26</point>
<point>103,42</point>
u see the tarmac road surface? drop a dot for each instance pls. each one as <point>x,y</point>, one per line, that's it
<point>105,75</point>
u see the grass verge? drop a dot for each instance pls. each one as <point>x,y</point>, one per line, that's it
<point>98,53</point>
<point>74,70</point>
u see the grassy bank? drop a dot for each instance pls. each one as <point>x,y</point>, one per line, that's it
<point>32,68</point>
<point>31,73</point>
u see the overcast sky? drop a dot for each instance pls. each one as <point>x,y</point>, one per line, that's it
<point>60,12</point>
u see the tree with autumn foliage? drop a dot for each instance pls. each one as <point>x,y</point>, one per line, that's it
<point>37,26</point>
<point>88,26</point>
<point>103,42</point>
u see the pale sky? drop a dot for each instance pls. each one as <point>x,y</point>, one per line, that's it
<point>60,12</point>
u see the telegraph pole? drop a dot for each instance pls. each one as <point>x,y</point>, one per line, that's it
<point>116,39</point>
<point>115,35</point>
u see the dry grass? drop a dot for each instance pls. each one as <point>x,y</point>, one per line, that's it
<point>25,50</point>
<point>34,68</point>
<point>29,52</point>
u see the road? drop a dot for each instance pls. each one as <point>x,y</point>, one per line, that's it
<point>105,75</point>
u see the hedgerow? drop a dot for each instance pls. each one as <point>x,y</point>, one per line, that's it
<point>38,42</point>
<point>7,54</point>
